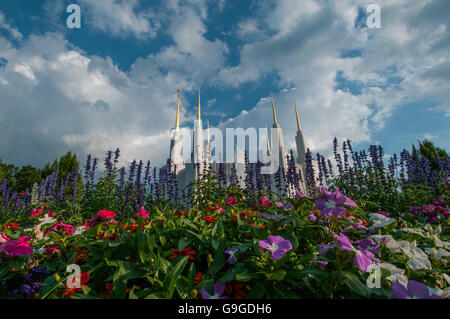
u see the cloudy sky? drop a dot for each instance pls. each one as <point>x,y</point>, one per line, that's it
<point>113,83</point>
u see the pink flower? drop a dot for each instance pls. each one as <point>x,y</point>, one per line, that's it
<point>231,200</point>
<point>3,238</point>
<point>106,214</point>
<point>69,229</point>
<point>264,202</point>
<point>17,247</point>
<point>143,213</point>
<point>36,211</point>
<point>50,250</point>
<point>101,215</point>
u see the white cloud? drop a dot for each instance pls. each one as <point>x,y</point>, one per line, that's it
<point>12,30</point>
<point>407,60</point>
<point>120,18</point>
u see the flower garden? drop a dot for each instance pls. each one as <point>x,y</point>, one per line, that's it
<point>366,231</point>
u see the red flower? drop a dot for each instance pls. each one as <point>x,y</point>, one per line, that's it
<point>84,278</point>
<point>198,278</point>
<point>214,208</point>
<point>209,219</point>
<point>187,251</point>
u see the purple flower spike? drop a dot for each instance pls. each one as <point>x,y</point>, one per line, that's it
<point>232,259</point>
<point>277,245</point>
<point>218,292</point>
<point>414,290</point>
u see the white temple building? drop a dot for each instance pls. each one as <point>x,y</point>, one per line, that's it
<point>236,172</point>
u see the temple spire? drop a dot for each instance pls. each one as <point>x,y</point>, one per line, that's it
<point>199,118</point>
<point>208,135</point>
<point>274,113</point>
<point>177,121</point>
<point>298,120</point>
<point>268,144</point>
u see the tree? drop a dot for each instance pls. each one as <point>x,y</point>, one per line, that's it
<point>26,177</point>
<point>427,150</point>
<point>8,172</point>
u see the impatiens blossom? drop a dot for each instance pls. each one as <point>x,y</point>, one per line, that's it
<point>17,247</point>
<point>101,215</point>
<point>264,202</point>
<point>413,290</point>
<point>384,214</point>
<point>217,207</point>
<point>363,257</point>
<point>232,259</point>
<point>106,214</point>
<point>60,226</point>
<point>277,245</point>
<point>36,211</point>
<point>332,203</point>
<point>231,200</point>
<point>3,238</point>
<point>143,213</point>
<point>218,292</point>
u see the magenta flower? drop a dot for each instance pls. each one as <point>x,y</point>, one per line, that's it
<point>363,258</point>
<point>413,290</point>
<point>17,247</point>
<point>4,237</point>
<point>143,213</point>
<point>312,217</point>
<point>231,200</point>
<point>277,245</point>
<point>103,214</point>
<point>384,214</point>
<point>218,292</point>
<point>332,203</point>
<point>264,202</point>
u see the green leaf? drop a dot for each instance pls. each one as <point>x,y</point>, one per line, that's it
<point>356,285</point>
<point>229,275</point>
<point>277,275</point>
<point>173,275</point>
<point>182,243</point>
<point>219,259</point>
<point>120,282</point>
<point>242,273</point>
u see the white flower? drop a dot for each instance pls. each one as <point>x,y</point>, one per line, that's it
<point>397,274</point>
<point>380,220</point>
<point>47,220</point>
<point>437,253</point>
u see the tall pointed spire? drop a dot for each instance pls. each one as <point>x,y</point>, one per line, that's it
<point>268,144</point>
<point>177,121</point>
<point>274,113</point>
<point>298,120</point>
<point>208,135</point>
<point>199,118</point>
